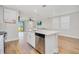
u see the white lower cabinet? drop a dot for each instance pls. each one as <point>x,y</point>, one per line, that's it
<point>31,38</point>
<point>51,44</point>
<point>1,44</point>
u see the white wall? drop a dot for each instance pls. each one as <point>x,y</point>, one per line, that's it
<point>74,24</point>
<point>11,30</point>
<point>73,30</point>
<point>1,19</point>
<point>45,22</point>
<point>2,26</point>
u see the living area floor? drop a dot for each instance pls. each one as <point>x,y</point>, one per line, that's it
<point>67,45</point>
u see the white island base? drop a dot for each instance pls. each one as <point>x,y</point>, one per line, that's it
<point>51,44</point>
<point>50,41</point>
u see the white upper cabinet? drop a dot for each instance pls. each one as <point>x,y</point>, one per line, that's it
<point>1,15</point>
<point>10,15</point>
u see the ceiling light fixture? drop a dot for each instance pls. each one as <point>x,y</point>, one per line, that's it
<point>43,5</point>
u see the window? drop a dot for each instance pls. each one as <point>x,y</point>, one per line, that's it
<point>10,15</point>
<point>61,23</point>
<point>65,22</point>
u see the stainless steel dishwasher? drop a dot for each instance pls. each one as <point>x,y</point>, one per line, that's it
<point>40,42</point>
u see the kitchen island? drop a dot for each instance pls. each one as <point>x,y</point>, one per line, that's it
<point>48,41</point>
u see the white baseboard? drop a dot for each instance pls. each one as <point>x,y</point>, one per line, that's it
<point>7,40</point>
<point>67,35</point>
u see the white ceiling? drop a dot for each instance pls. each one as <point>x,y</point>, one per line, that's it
<point>48,11</point>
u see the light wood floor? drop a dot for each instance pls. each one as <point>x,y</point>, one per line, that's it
<point>66,46</point>
<point>14,48</point>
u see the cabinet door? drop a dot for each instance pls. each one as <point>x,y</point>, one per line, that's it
<point>1,44</point>
<point>31,39</point>
<point>1,15</point>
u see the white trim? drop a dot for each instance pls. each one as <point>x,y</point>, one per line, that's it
<point>67,35</point>
<point>7,40</point>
